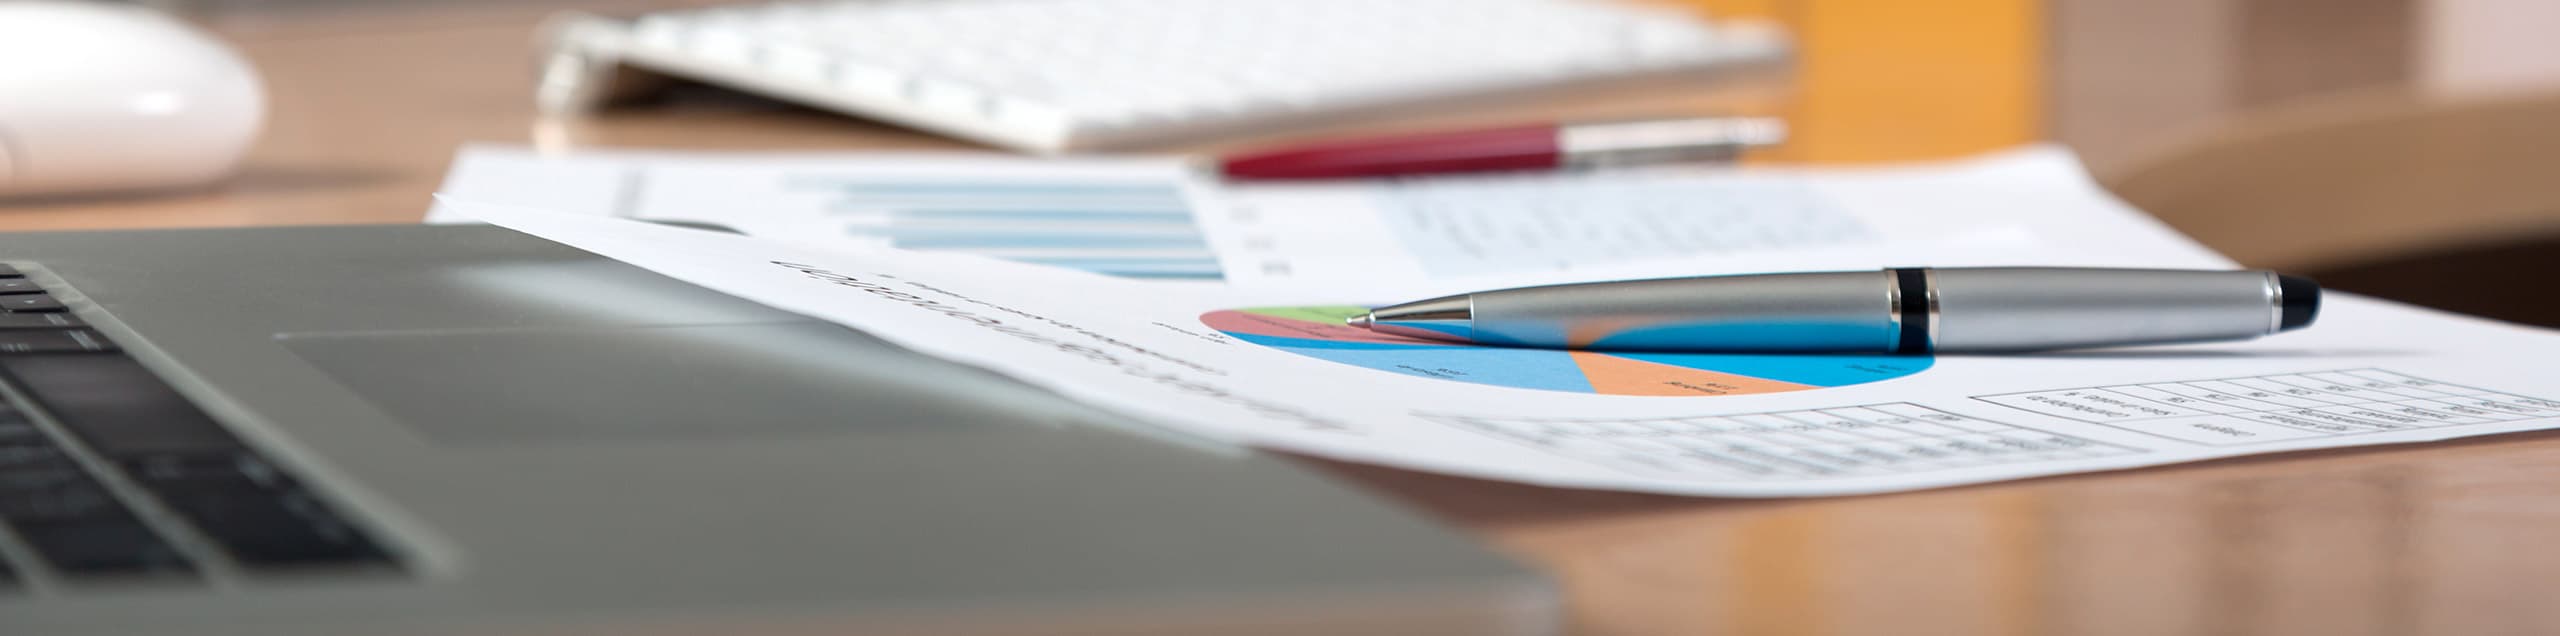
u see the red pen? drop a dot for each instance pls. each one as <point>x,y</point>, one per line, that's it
<point>1532,147</point>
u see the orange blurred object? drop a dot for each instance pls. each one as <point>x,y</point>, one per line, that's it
<point>1962,76</point>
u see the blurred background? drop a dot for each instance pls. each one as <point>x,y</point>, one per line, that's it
<point>2390,146</point>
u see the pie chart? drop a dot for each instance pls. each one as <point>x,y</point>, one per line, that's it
<point>1318,332</point>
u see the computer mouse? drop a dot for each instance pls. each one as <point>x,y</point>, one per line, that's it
<point>98,97</point>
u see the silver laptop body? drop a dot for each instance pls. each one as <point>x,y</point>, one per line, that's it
<point>463,430</point>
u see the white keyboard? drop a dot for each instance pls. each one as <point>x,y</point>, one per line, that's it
<point>1055,75</point>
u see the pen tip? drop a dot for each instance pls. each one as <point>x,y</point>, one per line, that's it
<point>1361,321</point>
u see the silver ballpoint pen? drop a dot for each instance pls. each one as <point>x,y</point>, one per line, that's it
<point>1909,310</point>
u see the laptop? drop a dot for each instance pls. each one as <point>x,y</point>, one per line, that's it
<point>419,430</point>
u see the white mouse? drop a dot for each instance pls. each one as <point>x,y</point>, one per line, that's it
<point>97,97</point>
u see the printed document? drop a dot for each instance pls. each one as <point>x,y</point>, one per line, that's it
<point>1467,226</point>
<point>1276,368</point>
<point>1124,217</point>
<point>1155,217</point>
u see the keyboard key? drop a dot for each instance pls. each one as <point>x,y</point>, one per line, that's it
<point>118,407</point>
<point>75,524</point>
<point>52,341</point>
<point>38,321</point>
<point>25,449</point>
<point>262,517</point>
<point>30,303</point>
<point>117,545</point>
<point>10,271</point>
<point>15,428</point>
<point>174,473</point>
<point>43,490</point>
<point>274,529</point>
<point>19,286</point>
<point>24,454</point>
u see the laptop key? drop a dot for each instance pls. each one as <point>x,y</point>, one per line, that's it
<point>74,524</point>
<point>10,271</point>
<point>241,502</point>
<point>19,286</point>
<point>22,456</point>
<point>274,529</point>
<point>117,406</point>
<point>31,303</point>
<point>29,459</point>
<point>119,546</point>
<point>39,321</point>
<point>15,428</point>
<point>48,490</point>
<point>52,340</point>
<point>262,517</point>
<point>178,473</point>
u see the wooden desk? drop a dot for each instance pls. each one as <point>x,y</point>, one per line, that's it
<point>2444,538</point>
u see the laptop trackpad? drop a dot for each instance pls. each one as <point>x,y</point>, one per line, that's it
<point>708,381</point>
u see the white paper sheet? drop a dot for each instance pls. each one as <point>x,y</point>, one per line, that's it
<point>1153,217</point>
<point>1127,217</point>
<point>1459,226</point>
<point>1208,361</point>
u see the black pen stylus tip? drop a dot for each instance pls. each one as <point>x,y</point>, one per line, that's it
<point>2301,301</point>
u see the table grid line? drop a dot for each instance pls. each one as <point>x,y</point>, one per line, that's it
<point>2279,407</point>
<point>1825,443</point>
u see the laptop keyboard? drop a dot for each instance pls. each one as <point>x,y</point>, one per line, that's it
<point>131,480</point>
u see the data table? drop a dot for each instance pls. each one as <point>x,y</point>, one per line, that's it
<point>1855,441</point>
<point>2271,408</point>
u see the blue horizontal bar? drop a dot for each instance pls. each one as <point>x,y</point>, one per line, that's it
<point>1014,188</point>
<point>963,240</point>
<point>1172,216</point>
